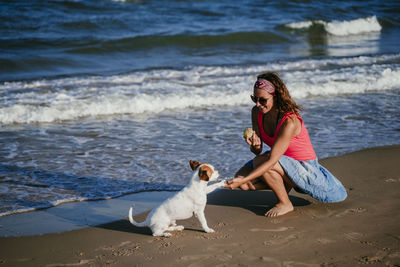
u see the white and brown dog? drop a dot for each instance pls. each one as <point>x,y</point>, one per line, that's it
<point>190,200</point>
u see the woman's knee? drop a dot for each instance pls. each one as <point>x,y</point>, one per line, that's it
<point>272,175</point>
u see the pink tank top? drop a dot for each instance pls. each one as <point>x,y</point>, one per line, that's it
<point>300,147</point>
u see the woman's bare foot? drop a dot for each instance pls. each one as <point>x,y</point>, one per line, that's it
<point>279,210</point>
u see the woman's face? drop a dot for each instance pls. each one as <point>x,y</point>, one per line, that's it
<point>264,100</point>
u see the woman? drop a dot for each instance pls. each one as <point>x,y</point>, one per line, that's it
<point>291,162</point>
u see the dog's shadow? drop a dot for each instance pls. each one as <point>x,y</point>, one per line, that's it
<point>257,202</point>
<point>126,226</point>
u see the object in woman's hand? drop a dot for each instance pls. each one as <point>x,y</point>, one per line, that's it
<point>248,133</point>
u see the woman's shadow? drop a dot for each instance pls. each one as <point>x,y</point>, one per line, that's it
<point>257,202</point>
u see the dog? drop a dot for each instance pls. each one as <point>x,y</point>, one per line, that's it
<point>192,199</point>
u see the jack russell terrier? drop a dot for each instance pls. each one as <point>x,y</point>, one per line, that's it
<point>191,199</point>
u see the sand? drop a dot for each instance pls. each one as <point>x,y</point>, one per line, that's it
<point>364,229</point>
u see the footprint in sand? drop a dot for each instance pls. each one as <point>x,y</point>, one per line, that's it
<point>353,236</point>
<point>126,248</point>
<point>193,257</point>
<point>201,257</point>
<point>392,180</point>
<point>279,240</point>
<point>298,264</point>
<point>324,241</point>
<point>225,257</point>
<point>216,247</point>
<point>279,229</point>
<point>113,248</point>
<point>269,261</point>
<point>81,263</point>
<point>377,258</point>
<point>351,211</point>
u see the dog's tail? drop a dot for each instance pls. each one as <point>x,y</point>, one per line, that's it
<point>142,224</point>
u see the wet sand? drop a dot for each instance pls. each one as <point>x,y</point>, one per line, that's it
<point>364,229</point>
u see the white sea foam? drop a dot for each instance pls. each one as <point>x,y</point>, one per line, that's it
<point>155,91</point>
<point>357,26</point>
<point>342,28</point>
<point>300,25</point>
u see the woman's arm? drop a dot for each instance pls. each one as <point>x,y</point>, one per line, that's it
<point>255,142</point>
<point>288,130</point>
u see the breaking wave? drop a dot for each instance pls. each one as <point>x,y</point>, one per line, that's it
<point>155,91</point>
<point>342,28</point>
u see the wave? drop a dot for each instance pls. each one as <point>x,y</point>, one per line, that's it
<point>154,91</point>
<point>91,45</point>
<point>152,41</point>
<point>341,28</point>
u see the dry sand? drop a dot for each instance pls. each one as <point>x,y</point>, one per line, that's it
<point>364,229</point>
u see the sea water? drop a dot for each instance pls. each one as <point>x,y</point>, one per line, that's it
<point>103,98</point>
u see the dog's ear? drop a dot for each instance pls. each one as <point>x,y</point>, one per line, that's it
<point>194,164</point>
<point>205,173</point>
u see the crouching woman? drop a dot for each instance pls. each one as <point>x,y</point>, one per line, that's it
<point>291,162</point>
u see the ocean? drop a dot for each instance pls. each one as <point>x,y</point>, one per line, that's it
<point>102,98</point>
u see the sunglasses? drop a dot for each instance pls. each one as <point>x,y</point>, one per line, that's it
<point>261,100</point>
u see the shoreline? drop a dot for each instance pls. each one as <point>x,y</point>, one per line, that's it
<point>363,229</point>
<point>64,218</point>
<point>78,214</point>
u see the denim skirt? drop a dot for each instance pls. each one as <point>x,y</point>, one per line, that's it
<point>313,179</point>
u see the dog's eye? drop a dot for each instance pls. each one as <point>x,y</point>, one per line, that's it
<point>204,174</point>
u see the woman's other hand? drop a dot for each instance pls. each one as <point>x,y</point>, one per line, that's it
<point>250,140</point>
<point>254,142</point>
<point>238,182</point>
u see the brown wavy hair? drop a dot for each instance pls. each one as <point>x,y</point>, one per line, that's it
<point>283,100</point>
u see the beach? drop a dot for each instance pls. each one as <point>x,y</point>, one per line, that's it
<point>362,230</point>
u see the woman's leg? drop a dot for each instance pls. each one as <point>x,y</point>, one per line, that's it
<point>275,179</point>
<point>280,184</point>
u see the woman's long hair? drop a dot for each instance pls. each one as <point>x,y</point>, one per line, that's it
<point>284,101</point>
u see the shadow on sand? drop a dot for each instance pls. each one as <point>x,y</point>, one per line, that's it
<point>257,202</point>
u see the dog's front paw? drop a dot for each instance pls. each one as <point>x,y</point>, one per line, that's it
<point>164,234</point>
<point>222,183</point>
<point>209,230</point>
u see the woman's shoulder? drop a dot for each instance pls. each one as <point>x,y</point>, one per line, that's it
<point>292,123</point>
<point>292,117</point>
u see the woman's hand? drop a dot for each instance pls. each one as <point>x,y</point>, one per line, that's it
<point>253,140</point>
<point>234,183</point>
<point>255,143</point>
